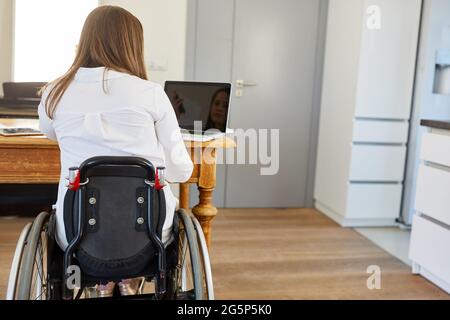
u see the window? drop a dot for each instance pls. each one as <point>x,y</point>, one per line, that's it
<point>46,33</point>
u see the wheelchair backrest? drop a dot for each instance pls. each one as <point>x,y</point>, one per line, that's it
<point>121,216</point>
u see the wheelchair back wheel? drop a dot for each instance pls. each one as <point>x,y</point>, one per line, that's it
<point>189,272</point>
<point>32,275</point>
<point>16,263</point>
<point>206,263</point>
<point>188,279</point>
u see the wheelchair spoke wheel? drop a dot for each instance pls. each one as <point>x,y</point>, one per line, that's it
<point>185,281</point>
<point>189,275</point>
<point>39,279</point>
<point>16,263</point>
<point>32,279</point>
<point>206,263</point>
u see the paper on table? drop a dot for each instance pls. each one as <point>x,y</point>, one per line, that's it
<point>9,123</point>
<point>16,132</point>
<point>24,127</point>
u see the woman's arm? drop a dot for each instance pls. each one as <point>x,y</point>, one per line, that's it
<point>178,162</point>
<point>45,123</point>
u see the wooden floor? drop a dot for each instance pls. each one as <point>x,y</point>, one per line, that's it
<point>284,254</point>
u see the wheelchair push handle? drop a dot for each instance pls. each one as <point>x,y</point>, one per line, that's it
<point>156,178</point>
<point>74,178</point>
<point>117,161</point>
<point>160,178</point>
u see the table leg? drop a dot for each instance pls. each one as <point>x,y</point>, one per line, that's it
<point>205,212</point>
<point>184,196</point>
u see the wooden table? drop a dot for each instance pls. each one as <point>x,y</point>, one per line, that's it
<point>35,160</point>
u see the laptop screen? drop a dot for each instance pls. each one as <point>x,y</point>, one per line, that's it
<point>205,102</point>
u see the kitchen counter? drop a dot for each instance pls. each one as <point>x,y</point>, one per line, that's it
<point>430,235</point>
<point>435,124</point>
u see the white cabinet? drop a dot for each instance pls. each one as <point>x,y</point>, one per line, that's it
<point>374,200</point>
<point>430,239</point>
<point>366,104</point>
<point>377,163</point>
<point>430,252</point>
<point>387,58</point>
<point>373,131</point>
<point>436,147</point>
<point>433,193</point>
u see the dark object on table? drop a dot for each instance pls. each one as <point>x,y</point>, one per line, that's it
<point>18,111</point>
<point>20,100</point>
<point>25,91</point>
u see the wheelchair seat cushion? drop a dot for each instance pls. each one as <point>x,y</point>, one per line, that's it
<point>96,271</point>
<point>128,267</point>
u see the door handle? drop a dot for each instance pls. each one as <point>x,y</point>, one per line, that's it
<point>243,83</point>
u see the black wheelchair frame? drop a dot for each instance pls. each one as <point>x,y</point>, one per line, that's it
<point>77,202</point>
<point>78,180</point>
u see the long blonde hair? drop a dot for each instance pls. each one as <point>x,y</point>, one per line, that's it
<point>112,38</point>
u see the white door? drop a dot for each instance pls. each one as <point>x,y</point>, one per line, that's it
<point>273,47</point>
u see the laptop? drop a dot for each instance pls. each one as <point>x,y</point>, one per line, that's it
<point>202,108</point>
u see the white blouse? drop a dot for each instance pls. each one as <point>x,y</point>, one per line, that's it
<point>133,117</point>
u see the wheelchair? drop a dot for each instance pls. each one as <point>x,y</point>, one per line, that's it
<point>114,211</point>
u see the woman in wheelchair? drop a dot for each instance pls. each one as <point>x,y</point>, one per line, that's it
<point>120,142</point>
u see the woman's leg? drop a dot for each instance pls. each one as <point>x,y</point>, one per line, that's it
<point>130,287</point>
<point>100,291</point>
<point>106,290</point>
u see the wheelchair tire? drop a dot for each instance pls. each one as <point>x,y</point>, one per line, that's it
<point>206,263</point>
<point>188,240</point>
<point>32,279</point>
<point>16,263</point>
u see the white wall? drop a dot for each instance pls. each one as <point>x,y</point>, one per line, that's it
<point>164,23</point>
<point>6,9</point>
<point>338,102</point>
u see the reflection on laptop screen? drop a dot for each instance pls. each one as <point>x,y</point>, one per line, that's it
<point>200,101</point>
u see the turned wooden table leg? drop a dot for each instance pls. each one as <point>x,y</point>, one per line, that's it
<point>184,196</point>
<point>205,212</point>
